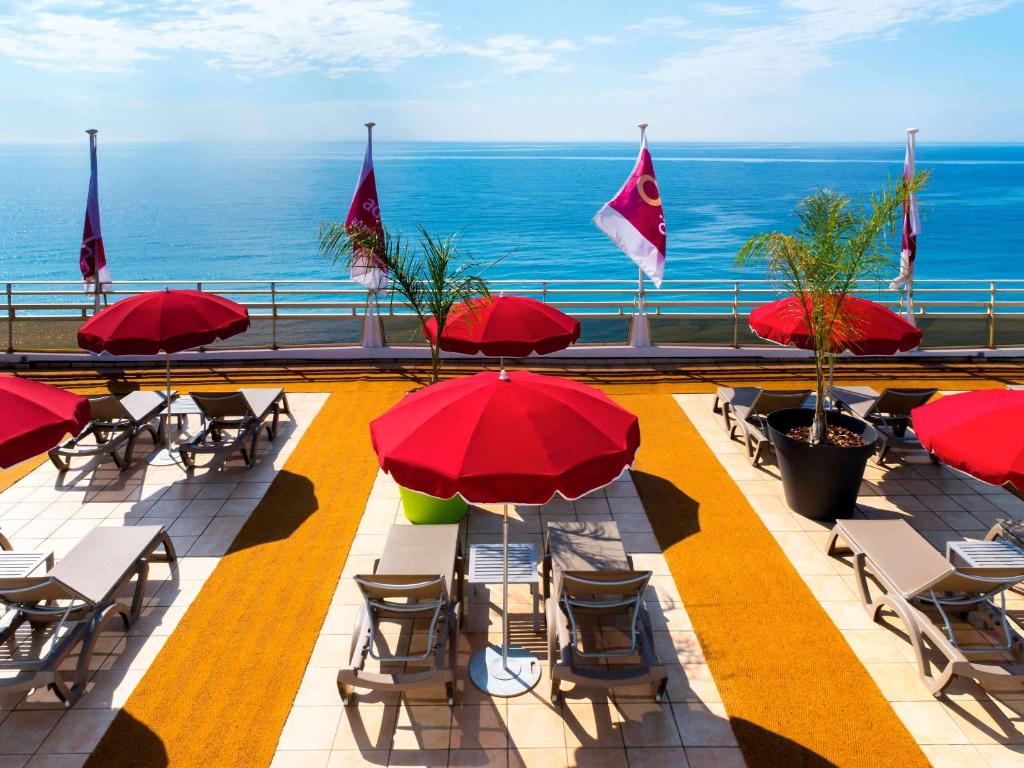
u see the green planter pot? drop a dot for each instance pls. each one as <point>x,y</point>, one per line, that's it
<point>430,510</point>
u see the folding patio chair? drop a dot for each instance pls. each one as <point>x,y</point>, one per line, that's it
<point>416,587</point>
<point>232,421</point>
<point>115,423</point>
<point>888,411</point>
<point>590,587</point>
<point>748,408</point>
<point>949,613</point>
<point>53,615</point>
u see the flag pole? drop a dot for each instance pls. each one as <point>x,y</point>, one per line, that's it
<point>640,333</point>
<point>372,331</point>
<point>912,139</point>
<point>91,132</point>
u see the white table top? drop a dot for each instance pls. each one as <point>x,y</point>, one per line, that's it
<point>486,567</point>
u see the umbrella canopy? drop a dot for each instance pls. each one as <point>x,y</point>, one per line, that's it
<point>976,432</point>
<point>162,321</point>
<point>870,328</point>
<point>505,326</point>
<point>36,417</point>
<point>518,439</point>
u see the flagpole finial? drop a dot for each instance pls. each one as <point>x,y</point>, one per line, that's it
<point>370,125</point>
<point>92,131</point>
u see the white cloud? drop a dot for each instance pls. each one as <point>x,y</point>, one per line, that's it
<point>722,9</point>
<point>522,53</point>
<point>255,37</point>
<point>660,24</point>
<point>756,58</point>
<point>598,39</point>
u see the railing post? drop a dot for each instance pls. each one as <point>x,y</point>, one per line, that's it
<point>544,291</point>
<point>273,315</point>
<point>10,319</point>
<point>736,315</point>
<point>992,316</point>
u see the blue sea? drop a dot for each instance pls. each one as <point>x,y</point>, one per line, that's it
<point>250,211</point>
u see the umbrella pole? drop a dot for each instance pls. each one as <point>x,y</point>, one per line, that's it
<point>166,455</point>
<point>504,586</point>
<point>510,671</point>
<point>167,421</point>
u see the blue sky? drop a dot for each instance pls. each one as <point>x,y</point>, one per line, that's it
<point>795,70</point>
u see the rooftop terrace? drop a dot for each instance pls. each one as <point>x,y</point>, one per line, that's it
<point>771,659</point>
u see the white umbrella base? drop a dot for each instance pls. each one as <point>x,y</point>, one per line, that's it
<point>514,678</point>
<point>165,457</point>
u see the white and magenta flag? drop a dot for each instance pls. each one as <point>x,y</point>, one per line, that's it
<point>92,259</point>
<point>911,228</point>
<point>634,219</point>
<point>364,213</point>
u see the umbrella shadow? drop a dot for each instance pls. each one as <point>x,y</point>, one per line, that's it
<point>129,742</point>
<point>674,515</point>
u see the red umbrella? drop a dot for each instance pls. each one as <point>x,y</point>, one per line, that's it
<point>36,417</point>
<point>163,321</point>
<point>505,326</point>
<point>870,328</point>
<point>505,439</point>
<point>518,439</point>
<point>976,432</point>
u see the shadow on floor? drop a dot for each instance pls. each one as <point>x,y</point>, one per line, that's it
<point>657,493</point>
<point>147,750</point>
<point>288,502</point>
<point>763,748</point>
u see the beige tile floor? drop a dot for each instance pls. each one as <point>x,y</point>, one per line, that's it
<point>968,728</point>
<point>203,510</point>
<point>589,729</point>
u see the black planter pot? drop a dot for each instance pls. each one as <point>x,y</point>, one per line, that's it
<point>821,481</point>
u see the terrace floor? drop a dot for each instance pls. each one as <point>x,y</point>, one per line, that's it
<point>206,510</point>
<point>589,729</point>
<point>969,727</point>
<point>203,510</point>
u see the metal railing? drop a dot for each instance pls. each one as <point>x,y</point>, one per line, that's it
<point>43,316</point>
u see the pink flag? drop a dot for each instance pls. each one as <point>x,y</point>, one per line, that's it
<point>911,228</point>
<point>364,213</point>
<point>92,259</point>
<point>634,219</point>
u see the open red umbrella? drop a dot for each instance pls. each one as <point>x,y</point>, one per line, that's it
<point>869,328</point>
<point>519,439</point>
<point>499,438</point>
<point>505,326</point>
<point>163,321</point>
<point>36,417</point>
<point>976,432</point>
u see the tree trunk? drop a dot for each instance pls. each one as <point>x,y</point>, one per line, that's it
<point>435,363</point>
<point>819,427</point>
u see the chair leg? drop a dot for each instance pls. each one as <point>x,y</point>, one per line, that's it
<point>62,465</point>
<point>141,579</point>
<point>659,690</point>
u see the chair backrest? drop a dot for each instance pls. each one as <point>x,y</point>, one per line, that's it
<point>769,401</point>
<point>605,593</point>
<point>33,590</point>
<point>107,408</point>
<point>900,402</point>
<point>221,405</point>
<point>405,597</point>
<point>979,581</point>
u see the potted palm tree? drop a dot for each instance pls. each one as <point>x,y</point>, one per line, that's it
<point>430,276</point>
<point>836,246</point>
